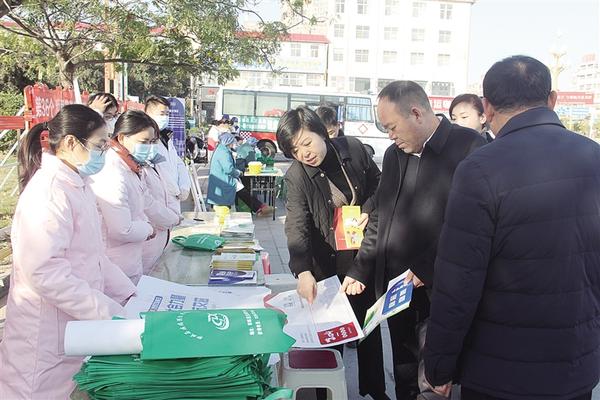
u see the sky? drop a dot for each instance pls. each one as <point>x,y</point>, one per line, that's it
<point>500,28</point>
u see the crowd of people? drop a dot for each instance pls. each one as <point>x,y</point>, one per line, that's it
<point>99,193</point>
<point>495,218</point>
<point>494,215</point>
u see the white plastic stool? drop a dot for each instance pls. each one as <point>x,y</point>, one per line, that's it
<point>322,368</point>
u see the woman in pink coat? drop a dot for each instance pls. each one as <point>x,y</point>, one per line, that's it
<point>60,271</point>
<point>160,208</point>
<point>121,194</point>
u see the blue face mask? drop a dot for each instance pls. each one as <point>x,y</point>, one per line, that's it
<point>162,121</point>
<point>153,152</point>
<point>141,151</point>
<point>93,165</point>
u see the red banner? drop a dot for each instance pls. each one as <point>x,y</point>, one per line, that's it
<point>577,98</point>
<point>440,104</point>
<point>43,103</point>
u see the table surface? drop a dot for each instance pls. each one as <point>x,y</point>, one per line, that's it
<point>277,173</point>
<point>192,267</point>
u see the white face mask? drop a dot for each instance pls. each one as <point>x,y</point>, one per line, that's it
<point>162,121</point>
<point>110,125</point>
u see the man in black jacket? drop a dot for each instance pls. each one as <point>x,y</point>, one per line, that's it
<point>516,297</point>
<point>403,232</point>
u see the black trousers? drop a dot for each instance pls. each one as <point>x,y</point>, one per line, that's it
<point>405,344</point>
<point>371,374</point>
<point>468,394</point>
<point>247,197</point>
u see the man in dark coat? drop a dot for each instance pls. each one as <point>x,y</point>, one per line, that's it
<point>516,297</point>
<point>410,201</point>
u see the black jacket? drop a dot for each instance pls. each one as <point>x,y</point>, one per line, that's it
<point>516,298</point>
<point>309,221</point>
<point>448,146</point>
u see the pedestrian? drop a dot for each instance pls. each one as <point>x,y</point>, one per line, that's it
<point>329,117</point>
<point>173,171</point>
<point>327,174</point>
<point>224,183</point>
<point>467,110</point>
<point>60,271</point>
<point>120,193</point>
<point>409,211</point>
<point>516,296</point>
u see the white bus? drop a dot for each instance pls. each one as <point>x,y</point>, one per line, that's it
<point>259,111</point>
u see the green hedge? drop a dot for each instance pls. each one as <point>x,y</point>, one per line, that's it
<point>10,103</point>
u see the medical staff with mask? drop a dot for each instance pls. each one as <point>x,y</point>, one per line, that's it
<point>173,171</point>
<point>160,209</point>
<point>60,269</point>
<point>121,193</point>
<point>107,106</point>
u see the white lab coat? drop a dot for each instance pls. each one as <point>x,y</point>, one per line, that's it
<point>174,172</point>
<point>121,193</point>
<point>60,273</point>
<point>162,211</point>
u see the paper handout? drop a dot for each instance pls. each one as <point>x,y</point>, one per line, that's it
<point>159,295</point>
<point>396,299</point>
<point>329,321</point>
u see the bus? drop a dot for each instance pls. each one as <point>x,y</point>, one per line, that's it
<point>259,111</point>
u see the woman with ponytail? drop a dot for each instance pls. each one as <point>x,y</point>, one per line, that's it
<point>121,191</point>
<point>60,271</point>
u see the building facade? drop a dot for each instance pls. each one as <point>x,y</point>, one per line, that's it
<point>374,42</point>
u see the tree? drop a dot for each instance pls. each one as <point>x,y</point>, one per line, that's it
<point>189,36</point>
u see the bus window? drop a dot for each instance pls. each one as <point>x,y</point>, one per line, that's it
<point>358,113</point>
<point>304,100</point>
<point>238,103</point>
<point>271,104</point>
<point>337,100</point>
<point>359,109</point>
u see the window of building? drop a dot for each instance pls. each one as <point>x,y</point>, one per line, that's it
<point>362,31</point>
<point>337,82</point>
<point>338,30</point>
<point>314,50</point>
<point>361,56</point>
<point>362,6</point>
<point>445,36</point>
<point>418,9</point>
<point>445,11</point>
<point>314,80</point>
<point>338,55</point>
<point>417,58</point>
<point>442,89</point>
<point>443,60</point>
<point>390,57</point>
<point>381,83</point>
<point>390,33</point>
<point>295,50</point>
<point>340,6</point>
<point>289,79</point>
<point>392,7</point>
<point>418,35</point>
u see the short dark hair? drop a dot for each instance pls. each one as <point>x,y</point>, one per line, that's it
<point>516,82</point>
<point>134,121</point>
<point>112,100</point>
<point>292,122</point>
<point>469,98</point>
<point>405,94</point>
<point>155,101</point>
<point>328,115</point>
